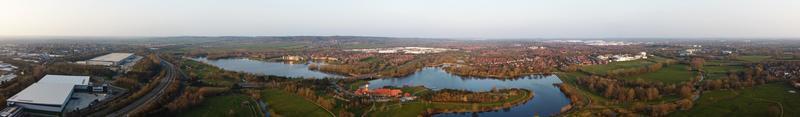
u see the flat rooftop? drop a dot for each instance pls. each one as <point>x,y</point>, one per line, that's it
<point>44,93</point>
<point>114,57</point>
<point>64,79</point>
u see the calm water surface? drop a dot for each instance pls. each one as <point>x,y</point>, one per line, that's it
<point>266,68</point>
<point>547,99</point>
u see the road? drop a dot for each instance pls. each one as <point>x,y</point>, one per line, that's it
<point>156,93</point>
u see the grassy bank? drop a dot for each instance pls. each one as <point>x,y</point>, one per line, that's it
<point>224,106</point>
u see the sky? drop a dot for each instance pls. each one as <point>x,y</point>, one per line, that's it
<point>405,18</point>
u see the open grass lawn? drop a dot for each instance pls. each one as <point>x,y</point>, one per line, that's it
<point>722,69</point>
<point>370,60</point>
<point>224,106</point>
<point>759,101</point>
<point>659,59</point>
<point>718,72</point>
<point>675,73</point>
<point>290,105</point>
<point>753,58</point>
<point>723,62</point>
<point>414,109</point>
<point>603,69</point>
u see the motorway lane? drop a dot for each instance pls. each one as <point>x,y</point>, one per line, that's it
<point>153,95</point>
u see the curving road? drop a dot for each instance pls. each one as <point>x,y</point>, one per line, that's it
<point>156,93</point>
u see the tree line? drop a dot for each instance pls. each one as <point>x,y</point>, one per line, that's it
<point>459,96</point>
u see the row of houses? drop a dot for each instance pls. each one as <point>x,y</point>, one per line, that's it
<point>622,57</point>
<point>406,50</point>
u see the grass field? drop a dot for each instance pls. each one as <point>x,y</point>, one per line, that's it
<point>671,74</point>
<point>753,58</point>
<point>204,71</point>
<point>290,105</point>
<point>659,59</point>
<point>224,106</point>
<point>414,109</point>
<point>723,62</point>
<point>717,72</point>
<point>603,69</point>
<point>760,101</point>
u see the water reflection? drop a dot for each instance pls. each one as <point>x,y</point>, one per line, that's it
<point>547,100</point>
<point>267,68</point>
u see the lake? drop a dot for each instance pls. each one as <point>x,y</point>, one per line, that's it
<point>547,99</point>
<point>267,68</point>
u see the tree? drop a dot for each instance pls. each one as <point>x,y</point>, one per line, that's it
<point>685,104</point>
<point>631,94</point>
<point>652,93</point>
<point>686,91</point>
<point>697,63</point>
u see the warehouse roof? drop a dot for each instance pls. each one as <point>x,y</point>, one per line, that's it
<point>44,93</point>
<point>114,57</point>
<point>62,79</point>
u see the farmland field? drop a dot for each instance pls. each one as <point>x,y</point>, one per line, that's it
<point>675,73</point>
<point>753,58</point>
<point>760,101</point>
<point>290,105</point>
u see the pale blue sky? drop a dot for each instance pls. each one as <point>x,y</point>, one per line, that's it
<point>403,18</point>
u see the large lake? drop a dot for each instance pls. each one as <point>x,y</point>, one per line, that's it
<point>547,99</point>
<point>266,68</point>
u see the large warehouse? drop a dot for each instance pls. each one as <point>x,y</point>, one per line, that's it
<point>50,94</point>
<point>111,59</point>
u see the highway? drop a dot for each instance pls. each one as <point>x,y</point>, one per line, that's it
<point>171,75</point>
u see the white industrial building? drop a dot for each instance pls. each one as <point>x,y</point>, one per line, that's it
<point>111,59</point>
<point>50,94</point>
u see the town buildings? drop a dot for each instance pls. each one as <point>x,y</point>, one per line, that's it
<point>7,72</point>
<point>381,92</point>
<point>406,50</point>
<point>622,57</point>
<point>292,58</point>
<point>688,52</point>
